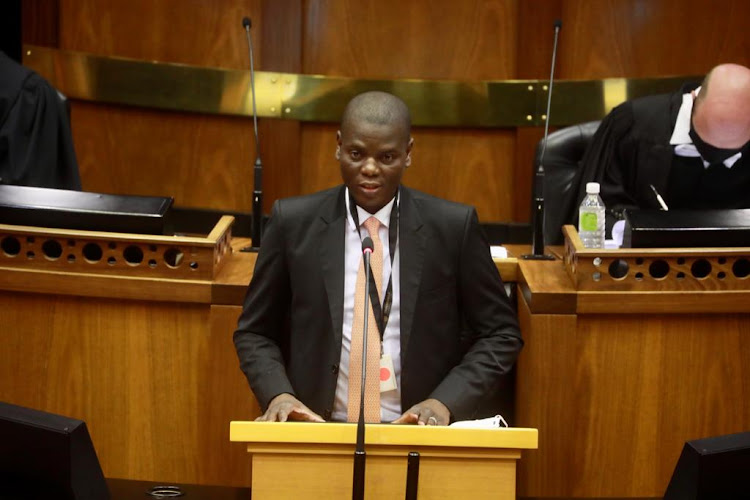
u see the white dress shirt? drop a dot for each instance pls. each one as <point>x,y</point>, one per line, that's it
<point>390,402</point>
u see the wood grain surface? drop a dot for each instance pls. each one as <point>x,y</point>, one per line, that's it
<point>615,392</point>
<point>157,383</point>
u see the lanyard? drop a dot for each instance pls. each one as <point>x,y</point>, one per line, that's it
<point>381,316</point>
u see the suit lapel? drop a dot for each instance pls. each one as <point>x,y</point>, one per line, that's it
<point>331,251</point>
<point>411,256</point>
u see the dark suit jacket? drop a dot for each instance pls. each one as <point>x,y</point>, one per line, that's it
<point>458,331</point>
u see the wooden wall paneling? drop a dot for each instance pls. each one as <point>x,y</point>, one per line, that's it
<point>465,41</point>
<point>230,399</point>
<point>469,40</point>
<point>550,352</point>
<point>174,31</point>
<point>202,160</point>
<point>535,34</point>
<point>281,45</point>
<point>40,22</point>
<point>156,383</point>
<point>467,165</point>
<point>615,397</point>
<point>633,38</point>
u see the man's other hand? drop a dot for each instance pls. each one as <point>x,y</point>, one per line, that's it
<point>428,412</point>
<point>286,407</point>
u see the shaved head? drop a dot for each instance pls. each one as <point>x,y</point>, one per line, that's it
<point>377,108</point>
<point>721,115</point>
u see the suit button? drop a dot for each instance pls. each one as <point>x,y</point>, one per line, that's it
<point>327,414</point>
<point>334,369</point>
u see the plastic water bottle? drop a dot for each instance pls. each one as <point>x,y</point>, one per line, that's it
<point>591,218</point>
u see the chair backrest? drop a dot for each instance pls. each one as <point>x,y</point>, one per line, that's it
<point>562,161</point>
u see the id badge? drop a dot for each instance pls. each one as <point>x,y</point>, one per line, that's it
<point>387,375</point>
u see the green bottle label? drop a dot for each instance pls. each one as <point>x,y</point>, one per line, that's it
<point>588,221</point>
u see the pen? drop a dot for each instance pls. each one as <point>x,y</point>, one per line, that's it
<point>659,198</point>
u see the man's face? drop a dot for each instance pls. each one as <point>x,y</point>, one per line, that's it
<point>373,158</point>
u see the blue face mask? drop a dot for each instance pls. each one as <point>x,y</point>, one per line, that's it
<point>712,154</point>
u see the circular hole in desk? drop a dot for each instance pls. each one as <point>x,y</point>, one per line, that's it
<point>639,276</point>
<point>133,255</point>
<point>11,246</point>
<point>741,268</point>
<point>173,257</point>
<point>618,269</point>
<point>658,269</point>
<point>700,269</point>
<point>721,275</point>
<point>52,249</point>
<point>92,252</point>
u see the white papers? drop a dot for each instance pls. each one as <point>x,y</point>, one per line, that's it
<point>498,252</point>
<point>495,422</point>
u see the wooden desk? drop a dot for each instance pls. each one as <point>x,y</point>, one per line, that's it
<point>617,379</point>
<point>143,355</point>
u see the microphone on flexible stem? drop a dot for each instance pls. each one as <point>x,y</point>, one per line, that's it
<point>358,479</point>
<point>537,236</point>
<point>257,215</point>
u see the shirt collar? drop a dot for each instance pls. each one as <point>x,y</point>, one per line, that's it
<point>383,215</point>
<point>683,144</point>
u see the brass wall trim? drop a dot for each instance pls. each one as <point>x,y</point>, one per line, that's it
<point>314,98</point>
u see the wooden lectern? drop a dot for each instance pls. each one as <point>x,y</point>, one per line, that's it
<point>291,458</point>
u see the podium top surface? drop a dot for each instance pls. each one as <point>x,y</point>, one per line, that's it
<point>382,434</point>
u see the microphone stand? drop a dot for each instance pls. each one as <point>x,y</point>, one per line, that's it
<point>257,215</point>
<point>537,236</point>
<point>360,457</point>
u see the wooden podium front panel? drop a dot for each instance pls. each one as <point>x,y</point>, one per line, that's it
<point>615,396</point>
<point>155,382</point>
<point>287,474</point>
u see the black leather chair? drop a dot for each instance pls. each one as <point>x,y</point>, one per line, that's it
<point>562,159</point>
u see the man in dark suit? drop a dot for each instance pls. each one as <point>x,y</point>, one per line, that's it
<point>692,146</point>
<point>449,328</point>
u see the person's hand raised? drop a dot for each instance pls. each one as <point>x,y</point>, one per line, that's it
<point>428,412</point>
<point>286,407</point>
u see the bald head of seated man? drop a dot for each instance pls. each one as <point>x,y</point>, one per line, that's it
<point>721,111</point>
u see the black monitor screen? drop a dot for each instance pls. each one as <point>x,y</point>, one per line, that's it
<point>43,455</point>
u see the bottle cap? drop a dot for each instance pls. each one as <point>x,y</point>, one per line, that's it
<point>592,188</point>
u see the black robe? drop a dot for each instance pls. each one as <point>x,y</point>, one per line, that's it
<point>629,152</point>
<point>36,145</point>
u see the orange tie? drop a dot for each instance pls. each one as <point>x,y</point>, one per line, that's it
<point>372,381</point>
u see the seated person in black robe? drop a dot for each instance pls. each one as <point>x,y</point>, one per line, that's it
<point>692,146</point>
<point>36,145</point>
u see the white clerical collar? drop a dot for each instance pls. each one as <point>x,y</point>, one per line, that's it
<point>383,215</point>
<point>683,144</point>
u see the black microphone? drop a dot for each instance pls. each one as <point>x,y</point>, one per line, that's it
<point>537,236</point>
<point>358,478</point>
<point>257,215</point>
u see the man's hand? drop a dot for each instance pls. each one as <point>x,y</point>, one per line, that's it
<point>428,412</point>
<point>286,407</point>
